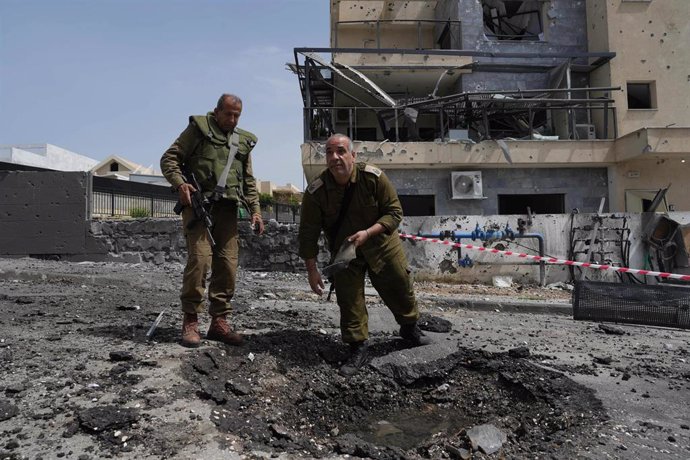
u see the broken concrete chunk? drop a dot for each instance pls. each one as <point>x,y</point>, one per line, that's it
<point>486,438</point>
<point>237,388</point>
<point>431,323</point>
<point>98,419</point>
<point>519,352</point>
<point>611,329</point>
<point>603,359</point>
<point>502,281</point>
<point>459,452</point>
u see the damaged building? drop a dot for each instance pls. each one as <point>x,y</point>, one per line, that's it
<point>489,107</point>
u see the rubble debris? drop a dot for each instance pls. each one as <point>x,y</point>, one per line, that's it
<point>486,438</point>
<point>519,352</point>
<point>613,330</point>
<point>7,410</point>
<point>432,323</point>
<point>121,356</point>
<point>99,419</point>
<point>502,281</point>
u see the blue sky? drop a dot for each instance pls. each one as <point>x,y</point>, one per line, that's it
<point>102,77</point>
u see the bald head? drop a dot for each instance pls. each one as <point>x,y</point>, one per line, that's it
<point>340,157</point>
<point>338,136</point>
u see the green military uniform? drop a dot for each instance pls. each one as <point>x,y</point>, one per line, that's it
<point>203,149</point>
<point>374,200</point>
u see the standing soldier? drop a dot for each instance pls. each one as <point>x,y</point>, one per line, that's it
<point>356,203</point>
<point>217,153</point>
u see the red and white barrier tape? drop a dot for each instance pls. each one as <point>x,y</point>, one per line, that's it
<point>549,260</point>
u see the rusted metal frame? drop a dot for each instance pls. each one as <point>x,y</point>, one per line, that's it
<point>381,96</point>
<point>470,53</point>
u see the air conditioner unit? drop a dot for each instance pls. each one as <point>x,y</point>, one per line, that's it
<point>466,185</point>
<point>585,132</point>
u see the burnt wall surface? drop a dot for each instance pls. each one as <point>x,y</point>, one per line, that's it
<point>582,187</point>
<point>43,212</point>
<point>564,24</point>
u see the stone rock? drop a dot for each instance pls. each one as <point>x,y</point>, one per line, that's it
<point>519,352</point>
<point>121,356</point>
<point>486,438</point>
<point>15,388</point>
<point>502,281</point>
<point>459,452</point>
<point>7,410</point>
<point>98,419</point>
<point>431,323</point>
<point>238,388</point>
<point>611,329</point>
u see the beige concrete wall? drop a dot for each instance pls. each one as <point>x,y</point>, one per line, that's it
<point>652,174</point>
<point>487,154</point>
<point>650,40</point>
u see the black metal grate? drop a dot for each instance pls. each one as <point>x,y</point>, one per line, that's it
<point>652,305</point>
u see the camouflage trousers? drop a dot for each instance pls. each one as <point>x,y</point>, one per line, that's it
<point>221,261</point>
<point>394,285</point>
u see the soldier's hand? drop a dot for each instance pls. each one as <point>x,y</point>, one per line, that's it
<point>358,238</point>
<point>184,192</point>
<point>316,282</point>
<point>258,224</point>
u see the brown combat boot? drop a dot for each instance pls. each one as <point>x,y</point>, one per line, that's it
<point>220,331</point>
<point>190,330</point>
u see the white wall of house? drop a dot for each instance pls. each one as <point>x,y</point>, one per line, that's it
<point>46,156</point>
<point>436,258</point>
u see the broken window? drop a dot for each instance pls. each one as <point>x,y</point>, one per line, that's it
<point>541,203</point>
<point>450,36</point>
<point>641,95</point>
<point>418,205</point>
<point>513,19</point>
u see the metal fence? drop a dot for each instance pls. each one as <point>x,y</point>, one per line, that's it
<point>117,198</point>
<point>112,204</point>
<point>649,304</point>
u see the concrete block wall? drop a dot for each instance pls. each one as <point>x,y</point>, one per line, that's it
<point>43,212</point>
<point>583,187</point>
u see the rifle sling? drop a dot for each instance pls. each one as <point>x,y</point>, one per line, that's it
<point>334,230</point>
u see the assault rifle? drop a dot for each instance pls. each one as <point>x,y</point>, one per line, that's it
<point>199,205</point>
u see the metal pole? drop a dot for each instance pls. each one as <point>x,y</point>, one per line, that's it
<point>307,94</point>
<point>397,136</point>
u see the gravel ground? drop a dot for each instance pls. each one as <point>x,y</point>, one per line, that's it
<point>79,379</point>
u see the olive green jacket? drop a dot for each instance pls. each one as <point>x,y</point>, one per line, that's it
<point>203,149</point>
<point>374,200</point>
